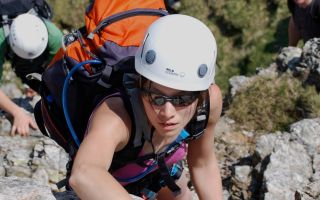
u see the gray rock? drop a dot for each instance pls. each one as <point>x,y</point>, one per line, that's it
<point>242,174</point>
<point>13,188</point>
<point>236,82</point>
<point>307,132</point>
<point>310,57</point>
<point>316,167</point>
<point>265,144</point>
<point>289,170</point>
<point>37,157</point>
<point>289,57</point>
<point>11,90</point>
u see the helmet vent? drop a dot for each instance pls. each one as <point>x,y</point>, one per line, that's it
<point>150,57</point>
<point>202,70</point>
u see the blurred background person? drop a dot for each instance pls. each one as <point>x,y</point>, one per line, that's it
<point>29,40</point>
<point>304,22</point>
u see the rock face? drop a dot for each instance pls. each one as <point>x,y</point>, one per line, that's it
<point>273,166</point>
<point>291,160</point>
<point>13,188</point>
<point>304,63</point>
<point>37,157</point>
<point>34,157</point>
<point>280,165</point>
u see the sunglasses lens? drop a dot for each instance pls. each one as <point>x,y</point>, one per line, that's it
<point>188,99</point>
<point>176,101</point>
<point>158,100</point>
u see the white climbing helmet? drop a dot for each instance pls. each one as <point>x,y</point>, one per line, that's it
<point>28,36</point>
<point>179,52</point>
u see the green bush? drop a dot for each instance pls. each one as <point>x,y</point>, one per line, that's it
<point>69,14</point>
<point>272,104</point>
<point>249,33</point>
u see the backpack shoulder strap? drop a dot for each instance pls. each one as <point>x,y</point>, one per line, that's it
<point>141,126</point>
<point>6,26</point>
<point>129,13</point>
<point>131,151</point>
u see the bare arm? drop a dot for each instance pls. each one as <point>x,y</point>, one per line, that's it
<point>21,120</point>
<point>293,33</point>
<point>202,161</point>
<point>108,132</point>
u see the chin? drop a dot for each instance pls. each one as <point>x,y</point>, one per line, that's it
<point>168,133</point>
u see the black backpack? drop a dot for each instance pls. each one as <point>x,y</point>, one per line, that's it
<point>12,8</point>
<point>9,9</point>
<point>96,56</point>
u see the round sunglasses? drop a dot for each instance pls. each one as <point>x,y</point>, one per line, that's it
<point>178,101</point>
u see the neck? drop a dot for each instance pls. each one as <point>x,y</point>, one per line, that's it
<point>160,143</point>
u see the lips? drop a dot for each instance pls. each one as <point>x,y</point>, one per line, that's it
<point>167,123</point>
<point>168,126</point>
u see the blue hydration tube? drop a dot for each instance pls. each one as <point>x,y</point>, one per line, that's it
<point>65,95</point>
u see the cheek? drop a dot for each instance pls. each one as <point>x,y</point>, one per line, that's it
<point>148,109</point>
<point>187,113</point>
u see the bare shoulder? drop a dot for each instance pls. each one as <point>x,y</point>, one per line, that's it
<point>108,131</point>
<point>214,91</point>
<point>111,121</point>
<point>200,148</point>
<point>215,103</point>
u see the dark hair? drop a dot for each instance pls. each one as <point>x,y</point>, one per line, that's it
<point>291,5</point>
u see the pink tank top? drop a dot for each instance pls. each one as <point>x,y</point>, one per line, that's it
<point>133,169</point>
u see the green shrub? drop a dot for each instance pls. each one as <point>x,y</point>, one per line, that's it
<point>273,104</point>
<point>249,33</point>
<point>69,14</point>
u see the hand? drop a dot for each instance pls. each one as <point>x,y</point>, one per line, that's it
<point>21,123</point>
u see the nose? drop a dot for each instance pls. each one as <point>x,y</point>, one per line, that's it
<point>167,111</point>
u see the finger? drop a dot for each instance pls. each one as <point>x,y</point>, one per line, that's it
<point>26,131</point>
<point>23,132</point>
<point>33,125</point>
<point>13,130</point>
<point>20,131</point>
